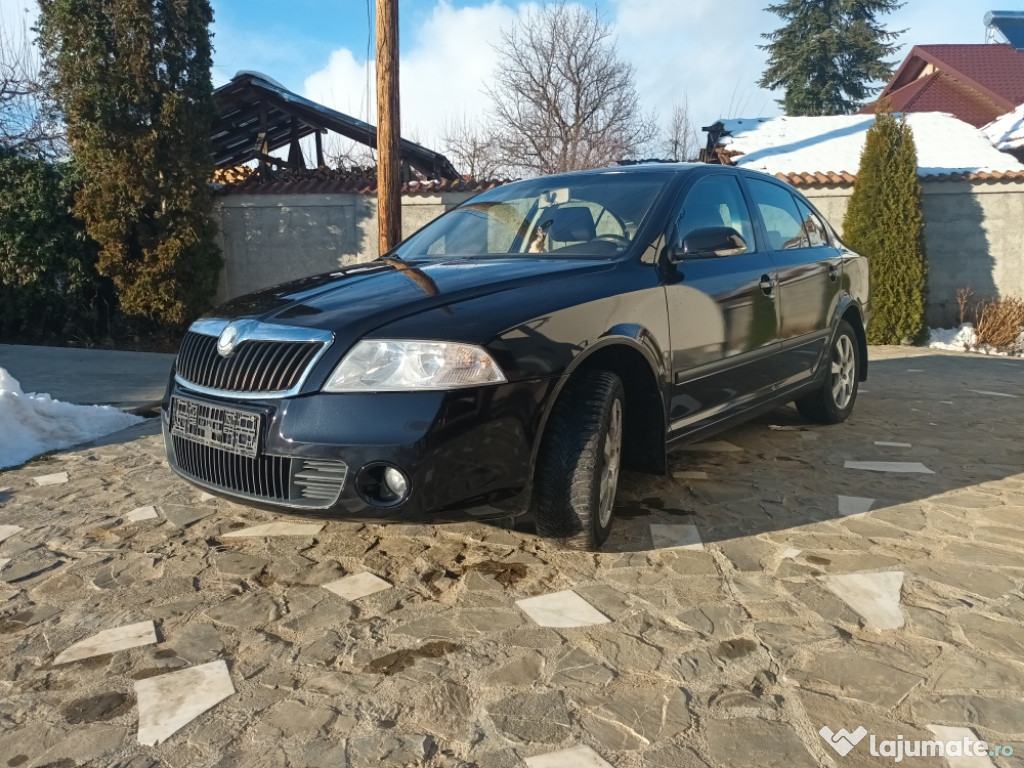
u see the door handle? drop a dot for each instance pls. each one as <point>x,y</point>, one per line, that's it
<point>767,285</point>
<point>833,272</point>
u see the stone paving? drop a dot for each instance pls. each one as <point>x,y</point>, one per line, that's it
<point>767,604</point>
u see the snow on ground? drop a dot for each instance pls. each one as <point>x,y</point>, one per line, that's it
<point>31,424</point>
<point>834,144</point>
<point>965,339</point>
<point>1007,132</point>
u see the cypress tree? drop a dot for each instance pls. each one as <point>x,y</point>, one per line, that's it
<point>884,222</point>
<point>132,78</point>
<point>828,53</point>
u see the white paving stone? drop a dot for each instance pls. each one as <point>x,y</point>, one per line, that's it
<point>946,733</point>
<point>357,585</point>
<point>993,394</point>
<point>875,596</point>
<point>576,757</point>
<point>562,609</point>
<point>57,478</point>
<point>142,513</point>
<point>887,444</point>
<point>204,496</point>
<point>680,536</point>
<point>109,641</point>
<point>789,553</point>
<point>169,702</point>
<point>716,446</point>
<point>276,529</point>
<point>691,475</point>
<point>906,467</point>
<point>854,505</point>
<point>6,531</point>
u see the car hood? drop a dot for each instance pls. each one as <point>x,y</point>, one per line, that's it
<point>356,299</point>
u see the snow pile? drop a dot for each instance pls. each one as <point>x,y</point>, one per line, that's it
<point>1007,132</point>
<point>834,144</point>
<point>31,424</point>
<point>965,339</point>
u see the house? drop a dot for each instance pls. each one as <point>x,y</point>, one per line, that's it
<point>972,194</point>
<point>975,83</point>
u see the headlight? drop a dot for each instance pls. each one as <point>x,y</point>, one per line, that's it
<point>384,365</point>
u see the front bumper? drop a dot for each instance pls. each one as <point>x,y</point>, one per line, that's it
<point>466,453</point>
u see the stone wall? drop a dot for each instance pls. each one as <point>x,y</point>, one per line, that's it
<point>974,234</point>
<point>269,239</point>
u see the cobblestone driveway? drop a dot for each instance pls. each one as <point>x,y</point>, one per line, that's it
<point>733,649</point>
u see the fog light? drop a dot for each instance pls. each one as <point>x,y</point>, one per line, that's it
<point>383,485</point>
<point>395,482</point>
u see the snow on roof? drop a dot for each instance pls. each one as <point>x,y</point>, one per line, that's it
<point>1007,132</point>
<point>834,144</point>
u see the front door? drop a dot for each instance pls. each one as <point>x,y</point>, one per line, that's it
<point>722,315</point>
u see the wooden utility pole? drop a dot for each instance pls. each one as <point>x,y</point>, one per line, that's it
<point>389,129</point>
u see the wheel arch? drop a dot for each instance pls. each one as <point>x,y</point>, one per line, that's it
<point>640,370</point>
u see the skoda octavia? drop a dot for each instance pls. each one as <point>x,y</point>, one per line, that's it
<point>520,350</point>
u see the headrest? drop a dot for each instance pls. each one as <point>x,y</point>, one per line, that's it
<point>573,224</point>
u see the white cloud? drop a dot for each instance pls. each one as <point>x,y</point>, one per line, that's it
<point>442,73</point>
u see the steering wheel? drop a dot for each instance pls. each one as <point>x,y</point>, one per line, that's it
<point>623,242</point>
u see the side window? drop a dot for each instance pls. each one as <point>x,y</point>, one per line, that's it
<point>813,226</point>
<point>715,201</point>
<point>781,217</point>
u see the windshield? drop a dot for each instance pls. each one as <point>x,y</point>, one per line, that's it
<point>593,215</point>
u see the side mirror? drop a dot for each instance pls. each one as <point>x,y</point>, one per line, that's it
<point>710,242</point>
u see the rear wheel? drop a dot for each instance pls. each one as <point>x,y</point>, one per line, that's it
<point>579,461</point>
<point>833,403</point>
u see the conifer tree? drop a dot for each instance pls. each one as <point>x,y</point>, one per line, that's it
<point>132,78</point>
<point>828,53</point>
<point>884,222</point>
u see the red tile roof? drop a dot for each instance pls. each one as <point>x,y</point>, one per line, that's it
<point>351,186</point>
<point>977,83</point>
<point>832,179</point>
<point>939,92</point>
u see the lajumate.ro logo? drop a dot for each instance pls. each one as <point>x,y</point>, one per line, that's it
<point>843,742</point>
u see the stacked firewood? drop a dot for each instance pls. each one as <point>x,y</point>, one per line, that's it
<point>232,175</point>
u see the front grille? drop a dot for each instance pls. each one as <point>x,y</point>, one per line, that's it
<point>296,482</point>
<point>255,365</point>
<point>262,477</point>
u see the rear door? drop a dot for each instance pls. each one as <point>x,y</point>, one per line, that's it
<point>722,315</point>
<point>809,267</point>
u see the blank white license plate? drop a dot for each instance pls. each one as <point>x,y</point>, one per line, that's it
<point>229,429</point>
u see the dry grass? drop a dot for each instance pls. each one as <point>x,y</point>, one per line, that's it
<point>999,322</point>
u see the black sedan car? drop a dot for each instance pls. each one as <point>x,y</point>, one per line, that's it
<point>516,352</point>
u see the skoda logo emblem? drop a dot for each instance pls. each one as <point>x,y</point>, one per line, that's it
<point>226,342</point>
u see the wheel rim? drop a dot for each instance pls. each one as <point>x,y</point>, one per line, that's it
<point>612,461</point>
<point>844,371</point>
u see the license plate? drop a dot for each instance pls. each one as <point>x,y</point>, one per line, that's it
<point>225,428</point>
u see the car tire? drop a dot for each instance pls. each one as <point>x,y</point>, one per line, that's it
<point>833,402</point>
<point>579,461</point>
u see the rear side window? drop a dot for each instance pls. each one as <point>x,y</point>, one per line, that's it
<point>715,201</point>
<point>781,217</point>
<point>813,226</point>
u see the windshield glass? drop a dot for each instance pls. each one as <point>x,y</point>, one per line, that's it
<point>592,215</point>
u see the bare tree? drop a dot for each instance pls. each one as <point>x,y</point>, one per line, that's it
<point>28,120</point>
<point>562,98</point>
<point>473,149</point>
<point>681,142</point>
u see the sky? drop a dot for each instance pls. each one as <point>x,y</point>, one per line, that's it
<point>704,51</point>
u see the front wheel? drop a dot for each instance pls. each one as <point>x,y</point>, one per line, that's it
<point>833,403</point>
<point>579,461</point>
